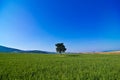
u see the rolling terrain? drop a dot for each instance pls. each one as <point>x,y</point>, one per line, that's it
<point>13,50</point>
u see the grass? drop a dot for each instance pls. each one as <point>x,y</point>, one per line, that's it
<point>59,67</point>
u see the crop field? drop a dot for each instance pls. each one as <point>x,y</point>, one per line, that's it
<point>59,67</point>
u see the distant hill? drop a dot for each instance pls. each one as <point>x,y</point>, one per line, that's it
<point>111,51</point>
<point>7,49</point>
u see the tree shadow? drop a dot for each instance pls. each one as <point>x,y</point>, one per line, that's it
<point>73,55</point>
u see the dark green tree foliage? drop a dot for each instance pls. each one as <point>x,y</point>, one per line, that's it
<point>60,47</point>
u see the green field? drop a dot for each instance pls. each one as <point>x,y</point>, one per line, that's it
<point>59,67</point>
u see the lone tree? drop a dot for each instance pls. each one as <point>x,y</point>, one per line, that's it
<point>60,47</point>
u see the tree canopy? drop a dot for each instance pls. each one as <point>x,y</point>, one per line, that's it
<point>60,47</point>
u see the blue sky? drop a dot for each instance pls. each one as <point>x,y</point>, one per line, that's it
<point>82,25</point>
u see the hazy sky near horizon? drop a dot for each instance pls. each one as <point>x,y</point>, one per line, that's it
<point>82,25</point>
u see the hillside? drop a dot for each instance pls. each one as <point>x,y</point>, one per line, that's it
<point>7,49</point>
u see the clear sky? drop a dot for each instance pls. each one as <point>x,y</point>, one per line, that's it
<point>82,25</point>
